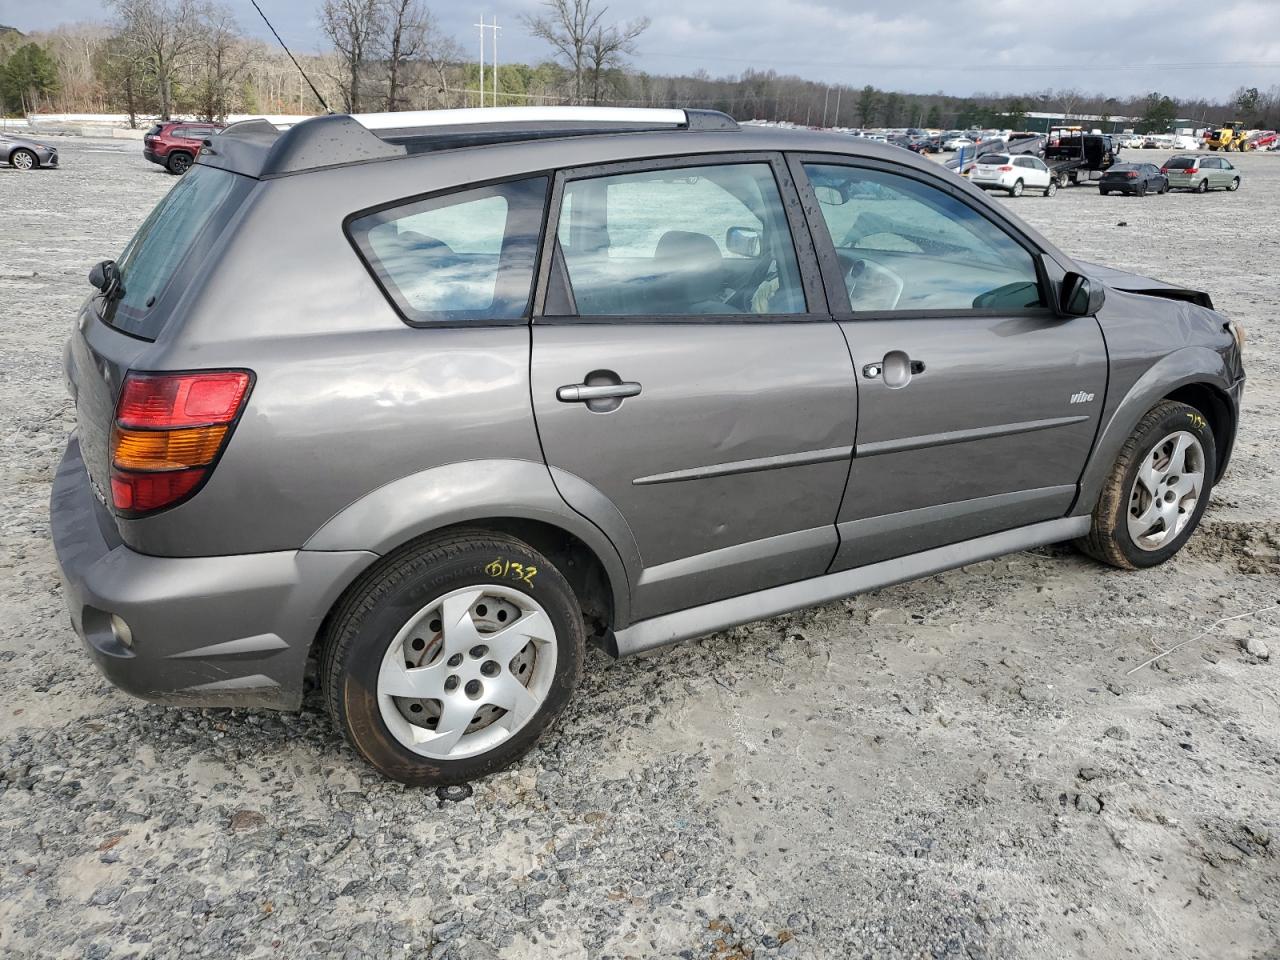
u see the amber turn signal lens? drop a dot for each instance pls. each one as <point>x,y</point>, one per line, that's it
<point>166,449</point>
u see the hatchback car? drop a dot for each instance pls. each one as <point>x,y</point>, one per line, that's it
<point>175,145</point>
<point>1015,174</point>
<point>23,153</point>
<point>1201,174</point>
<point>434,400</point>
<point>1137,179</point>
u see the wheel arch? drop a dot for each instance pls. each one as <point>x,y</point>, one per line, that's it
<point>1197,376</point>
<point>515,497</point>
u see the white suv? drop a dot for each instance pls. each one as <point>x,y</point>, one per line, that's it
<point>999,171</point>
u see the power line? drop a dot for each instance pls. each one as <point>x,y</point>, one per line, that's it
<point>985,67</point>
<point>291,56</point>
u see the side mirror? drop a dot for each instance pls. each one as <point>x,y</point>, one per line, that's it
<point>1079,296</point>
<point>104,275</point>
<point>743,241</point>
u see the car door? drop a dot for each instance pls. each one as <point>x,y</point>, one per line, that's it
<point>687,376</point>
<point>1226,172</point>
<point>1031,174</point>
<point>977,404</point>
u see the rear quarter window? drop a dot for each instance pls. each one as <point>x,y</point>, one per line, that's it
<point>463,257</point>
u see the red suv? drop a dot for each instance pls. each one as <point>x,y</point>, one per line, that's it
<point>174,144</point>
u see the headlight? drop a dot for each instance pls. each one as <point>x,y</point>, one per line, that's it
<point>1236,329</point>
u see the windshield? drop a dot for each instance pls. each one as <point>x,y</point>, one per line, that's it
<point>177,224</point>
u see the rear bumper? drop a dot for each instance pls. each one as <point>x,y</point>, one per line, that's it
<point>153,156</point>
<point>206,631</point>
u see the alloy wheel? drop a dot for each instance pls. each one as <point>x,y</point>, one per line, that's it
<point>1166,490</point>
<point>467,671</point>
<point>23,160</point>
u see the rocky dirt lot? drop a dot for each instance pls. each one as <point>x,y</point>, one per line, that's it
<point>962,767</point>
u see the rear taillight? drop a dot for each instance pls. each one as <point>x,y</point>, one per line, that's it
<point>1132,174</point>
<point>1005,169</point>
<point>169,429</point>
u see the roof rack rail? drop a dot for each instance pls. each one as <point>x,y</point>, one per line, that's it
<point>339,139</point>
<point>560,117</point>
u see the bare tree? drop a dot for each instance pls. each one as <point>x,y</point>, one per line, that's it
<point>162,35</point>
<point>355,28</point>
<point>224,59</point>
<point>607,47</point>
<point>574,30</point>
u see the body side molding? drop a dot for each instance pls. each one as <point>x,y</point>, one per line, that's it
<point>708,618</point>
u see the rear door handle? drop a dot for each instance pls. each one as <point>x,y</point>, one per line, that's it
<point>585,393</point>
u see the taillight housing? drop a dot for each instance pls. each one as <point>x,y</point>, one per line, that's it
<point>169,430</point>
<point>1006,169</point>
<point>1132,174</point>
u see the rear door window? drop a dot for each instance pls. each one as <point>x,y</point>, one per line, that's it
<point>185,221</point>
<point>684,241</point>
<point>463,257</point>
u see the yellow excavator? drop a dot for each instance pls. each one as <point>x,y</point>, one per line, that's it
<point>1231,136</point>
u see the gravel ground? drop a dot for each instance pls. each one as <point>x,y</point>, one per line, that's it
<point>962,767</point>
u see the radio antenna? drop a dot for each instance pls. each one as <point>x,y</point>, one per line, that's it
<point>291,56</point>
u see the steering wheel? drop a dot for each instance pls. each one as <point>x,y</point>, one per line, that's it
<point>872,286</point>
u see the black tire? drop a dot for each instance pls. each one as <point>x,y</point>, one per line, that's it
<point>1052,188</point>
<point>1235,185</point>
<point>1016,189</point>
<point>382,602</point>
<point>1204,186</point>
<point>1142,189</point>
<point>1108,539</point>
<point>178,162</point>
<point>23,159</point>
<point>1105,193</point>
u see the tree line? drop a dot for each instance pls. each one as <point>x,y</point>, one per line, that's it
<point>192,58</point>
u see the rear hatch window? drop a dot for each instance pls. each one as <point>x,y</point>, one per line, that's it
<point>993,160</point>
<point>180,229</point>
<point>1181,163</point>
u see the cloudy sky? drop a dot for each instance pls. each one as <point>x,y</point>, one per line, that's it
<point>955,46</point>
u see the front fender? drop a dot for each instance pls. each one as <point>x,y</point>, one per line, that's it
<point>412,506</point>
<point>1185,366</point>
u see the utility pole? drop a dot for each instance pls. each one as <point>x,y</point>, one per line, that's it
<point>836,122</point>
<point>481,25</point>
<point>495,28</point>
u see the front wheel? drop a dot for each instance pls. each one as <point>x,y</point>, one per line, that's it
<point>1234,185</point>
<point>448,662</point>
<point>22,159</point>
<point>1156,492</point>
<point>1105,193</point>
<point>1016,189</point>
<point>1051,189</point>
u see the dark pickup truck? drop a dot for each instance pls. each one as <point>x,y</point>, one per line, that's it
<point>1075,157</point>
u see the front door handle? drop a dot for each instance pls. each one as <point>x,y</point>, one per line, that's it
<point>586,392</point>
<point>896,369</point>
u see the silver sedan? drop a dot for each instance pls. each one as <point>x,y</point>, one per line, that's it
<point>22,153</point>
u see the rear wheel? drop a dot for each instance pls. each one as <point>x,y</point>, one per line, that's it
<point>179,162</point>
<point>1204,186</point>
<point>1157,490</point>
<point>1142,189</point>
<point>23,159</point>
<point>1016,189</point>
<point>1104,192</point>
<point>449,661</point>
